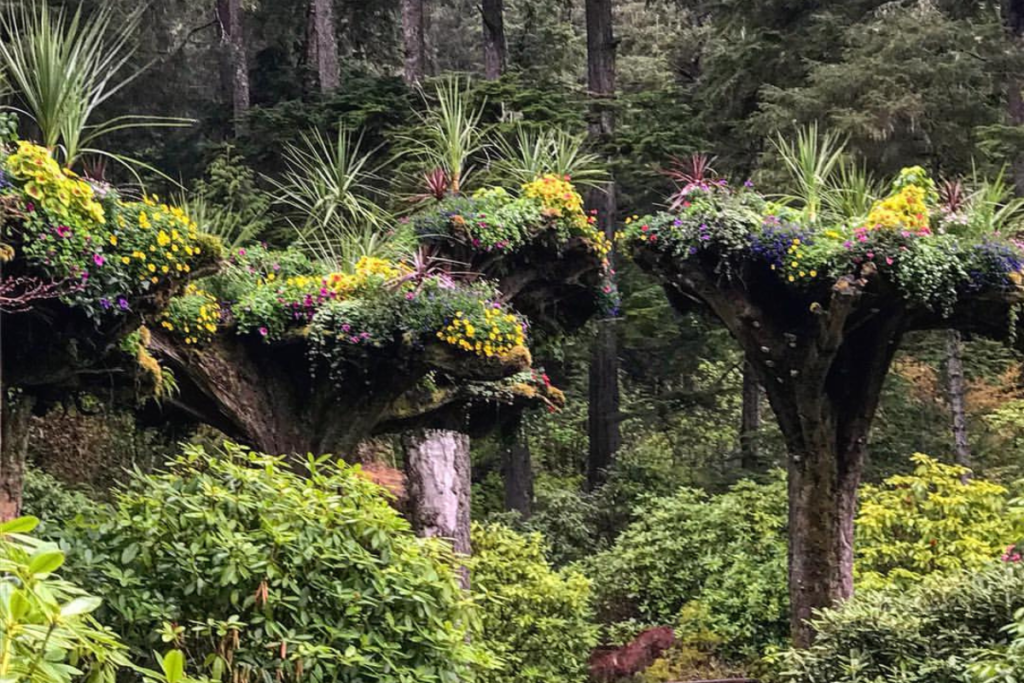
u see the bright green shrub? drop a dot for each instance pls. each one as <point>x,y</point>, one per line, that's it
<point>1002,664</point>
<point>259,573</point>
<point>931,521</point>
<point>536,619</point>
<point>47,632</point>
<point>706,564</point>
<point>926,634</point>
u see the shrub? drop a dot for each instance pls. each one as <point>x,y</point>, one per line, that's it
<point>536,619</point>
<point>926,634</point>
<point>48,634</point>
<point>706,564</point>
<point>931,521</point>
<point>1002,664</point>
<point>256,571</point>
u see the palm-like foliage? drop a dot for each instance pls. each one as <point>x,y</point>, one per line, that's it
<point>993,204</point>
<point>688,174</point>
<point>811,160</point>
<point>64,67</point>
<point>228,226</point>
<point>533,153</point>
<point>851,190</point>
<point>450,134</point>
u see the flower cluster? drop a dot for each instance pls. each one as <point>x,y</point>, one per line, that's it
<point>113,251</point>
<point>899,237</point>
<point>497,333</point>
<point>194,315</point>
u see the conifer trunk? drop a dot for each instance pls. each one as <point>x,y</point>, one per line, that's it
<point>15,414</point>
<point>493,12</point>
<point>414,40</point>
<point>1013,11</point>
<point>750,419</point>
<point>437,468</point>
<point>956,391</point>
<point>516,468</point>
<point>232,33</point>
<point>322,45</point>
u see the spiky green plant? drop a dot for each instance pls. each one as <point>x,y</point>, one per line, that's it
<point>532,153</point>
<point>993,204</point>
<point>64,67</point>
<point>811,159</point>
<point>226,225</point>
<point>851,190</point>
<point>450,134</point>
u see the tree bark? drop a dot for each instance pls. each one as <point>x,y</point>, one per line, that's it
<point>750,420</point>
<point>601,46</point>
<point>516,468</point>
<point>414,40</point>
<point>493,12</point>
<point>1013,11</point>
<point>232,33</point>
<point>322,45</point>
<point>438,483</point>
<point>14,428</point>
<point>955,391</point>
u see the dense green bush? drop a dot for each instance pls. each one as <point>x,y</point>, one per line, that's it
<point>536,619</point>
<point>934,520</point>
<point>926,634</point>
<point>257,572</point>
<point>705,564</point>
<point>48,634</point>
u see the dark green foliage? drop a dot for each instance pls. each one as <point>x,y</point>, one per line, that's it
<point>254,570</point>
<point>536,619</point>
<point>703,564</point>
<point>923,635</point>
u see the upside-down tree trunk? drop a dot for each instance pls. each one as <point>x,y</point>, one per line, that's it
<point>437,469</point>
<point>603,404</point>
<point>232,36</point>
<point>14,423</point>
<point>516,468</point>
<point>750,419</point>
<point>414,40</point>
<point>493,12</point>
<point>322,45</point>
<point>600,65</point>
<point>955,391</point>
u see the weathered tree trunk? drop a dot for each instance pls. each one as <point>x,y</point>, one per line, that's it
<point>322,45</point>
<point>414,40</point>
<point>600,65</point>
<point>437,469</point>
<point>493,12</point>
<point>1013,11</point>
<point>14,427</point>
<point>955,391</point>
<point>232,35</point>
<point>603,404</point>
<point>516,468</point>
<point>750,419</point>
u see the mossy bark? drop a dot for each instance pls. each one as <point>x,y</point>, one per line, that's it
<point>15,414</point>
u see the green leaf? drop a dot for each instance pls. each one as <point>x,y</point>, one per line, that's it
<point>80,606</point>
<point>21,525</point>
<point>173,665</point>
<point>45,562</point>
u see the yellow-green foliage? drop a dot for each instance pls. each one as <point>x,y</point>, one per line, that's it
<point>935,520</point>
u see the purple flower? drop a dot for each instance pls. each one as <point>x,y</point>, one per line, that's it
<point>98,259</point>
<point>63,231</point>
<point>346,328</point>
<point>105,303</point>
<point>122,303</point>
<point>748,183</point>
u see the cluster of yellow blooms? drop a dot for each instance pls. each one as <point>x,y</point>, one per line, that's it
<point>57,190</point>
<point>494,335</point>
<point>560,200</point>
<point>367,267</point>
<point>906,209</point>
<point>194,315</point>
<point>793,264</point>
<point>163,239</point>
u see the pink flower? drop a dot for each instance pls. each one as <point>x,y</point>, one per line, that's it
<point>98,259</point>
<point>888,260</point>
<point>264,331</point>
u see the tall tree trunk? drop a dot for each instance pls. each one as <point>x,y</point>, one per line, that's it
<point>232,35</point>
<point>955,390</point>
<point>603,408</point>
<point>438,483</point>
<point>600,65</point>
<point>516,468</point>
<point>493,12</point>
<point>414,40</point>
<point>1013,11</point>
<point>14,422</point>
<point>322,45</point>
<point>750,419</point>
